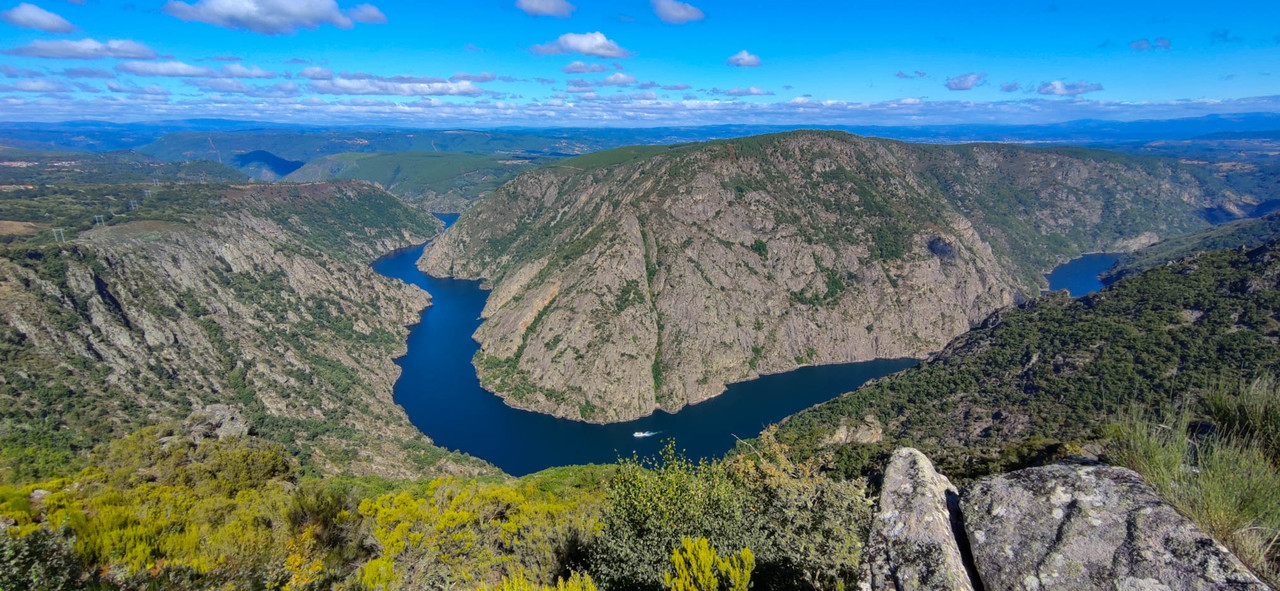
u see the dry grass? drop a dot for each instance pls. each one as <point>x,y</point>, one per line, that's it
<point>12,228</point>
<point>1226,481</point>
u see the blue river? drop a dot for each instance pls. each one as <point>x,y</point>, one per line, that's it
<point>443,398</point>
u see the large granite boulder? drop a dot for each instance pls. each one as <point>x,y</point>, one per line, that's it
<point>217,421</point>
<point>914,543</point>
<point>1089,527</point>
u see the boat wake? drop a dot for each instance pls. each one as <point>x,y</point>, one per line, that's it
<point>641,434</point>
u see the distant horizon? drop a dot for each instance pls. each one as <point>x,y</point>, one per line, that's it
<point>636,63</point>
<point>266,124</point>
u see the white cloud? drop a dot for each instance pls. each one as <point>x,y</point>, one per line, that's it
<point>673,12</point>
<point>172,69</point>
<point>394,87</point>
<point>584,68</point>
<point>1060,88</point>
<point>572,112</point>
<point>966,81</point>
<point>481,77</point>
<point>239,71</point>
<point>680,86</point>
<point>13,72</point>
<point>556,8</point>
<point>644,96</point>
<point>617,79</point>
<point>316,73</point>
<point>277,90</point>
<point>87,73</point>
<point>30,16</point>
<point>749,91</point>
<point>274,17</point>
<point>368,14</point>
<point>85,49</point>
<point>154,89</point>
<point>612,98</point>
<point>742,59</point>
<point>1010,87</point>
<point>41,85</point>
<point>585,43</point>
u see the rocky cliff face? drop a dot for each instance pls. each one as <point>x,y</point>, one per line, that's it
<point>1066,526</point>
<point>649,278</point>
<point>149,320</point>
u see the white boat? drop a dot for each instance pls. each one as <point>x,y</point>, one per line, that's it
<point>639,434</point>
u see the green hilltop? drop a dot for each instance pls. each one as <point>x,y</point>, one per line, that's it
<point>441,182</point>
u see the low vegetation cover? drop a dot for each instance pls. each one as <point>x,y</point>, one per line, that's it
<point>166,509</point>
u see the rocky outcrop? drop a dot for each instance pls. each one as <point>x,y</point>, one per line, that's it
<point>1059,527</point>
<point>913,545</point>
<point>1090,527</point>
<point>218,421</point>
<point>649,278</point>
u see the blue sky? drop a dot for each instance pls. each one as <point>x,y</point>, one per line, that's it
<point>445,63</point>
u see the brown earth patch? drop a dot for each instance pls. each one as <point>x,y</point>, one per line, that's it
<point>12,228</point>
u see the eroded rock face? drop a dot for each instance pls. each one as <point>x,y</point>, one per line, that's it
<point>913,544</point>
<point>221,308</point>
<point>625,286</point>
<point>1089,527</point>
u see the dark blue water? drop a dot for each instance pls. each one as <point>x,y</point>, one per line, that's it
<point>1080,276</point>
<point>440,392</point>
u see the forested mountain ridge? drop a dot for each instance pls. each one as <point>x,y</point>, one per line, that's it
<point>255,296</point>
<point>649,277</point>
<point>21,167</point>
<point>440,182</point>
<point>1056,372</point>
<point>1246,233</point>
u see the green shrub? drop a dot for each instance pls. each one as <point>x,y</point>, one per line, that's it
<point>804,530</point>
<point>698,567</point>
<point>42,561</point>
